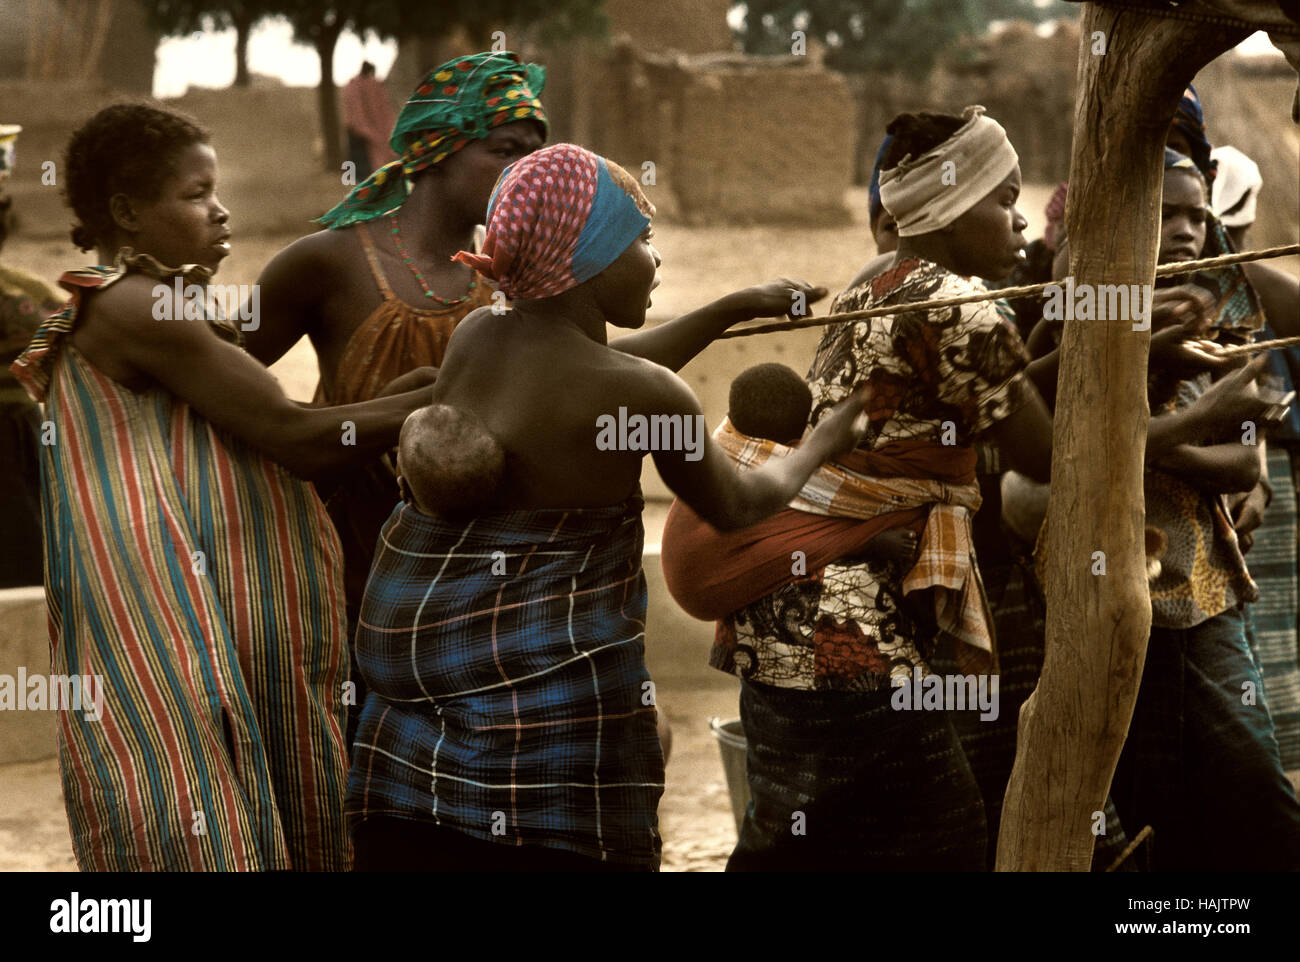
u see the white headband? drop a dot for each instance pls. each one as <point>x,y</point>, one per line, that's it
<point>1237,183</point>
<point>926,194</point>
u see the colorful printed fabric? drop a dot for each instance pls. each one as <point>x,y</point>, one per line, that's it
<point>25,301</point>
<point>1203,572</point>
<point>711,573</point>
<point>961,364</point>
<point>201,584</point>
<point>558,217</point>
<point>945,563</point>
<point>34,367</point>
<point>849,625</point>
<point>460,101</point>
<point>505,659</point>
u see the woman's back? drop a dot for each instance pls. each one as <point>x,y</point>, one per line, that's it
<point>542,396</point>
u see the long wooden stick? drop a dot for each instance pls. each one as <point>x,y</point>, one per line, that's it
<point>1005,293</point>
<point>1142,836</point>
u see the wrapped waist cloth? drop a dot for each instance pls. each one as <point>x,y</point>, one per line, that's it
<point>509,697</point>
<point>927,487</point>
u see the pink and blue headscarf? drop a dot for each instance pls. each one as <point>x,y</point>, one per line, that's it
<point>557,218</point>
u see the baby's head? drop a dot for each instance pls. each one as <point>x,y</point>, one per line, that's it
<point>448,462</point>
<point>770,401</point>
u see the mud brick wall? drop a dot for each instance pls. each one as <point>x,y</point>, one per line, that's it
<point>739,140</point>
<point>690,26</point>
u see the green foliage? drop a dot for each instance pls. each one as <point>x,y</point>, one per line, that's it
<point>317,21</point>
<point>480,18</point>
<point>178,17</point>
<point>555,18</point>
<point>320,22</point>
<point>902,35</point>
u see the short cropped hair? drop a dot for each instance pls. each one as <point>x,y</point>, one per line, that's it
<point>770,401</point>
<point>129,149</point>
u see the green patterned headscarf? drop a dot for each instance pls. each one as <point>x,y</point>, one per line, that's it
<point>462,100</point>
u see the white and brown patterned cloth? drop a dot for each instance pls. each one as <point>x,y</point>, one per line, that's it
<point>939,378</point>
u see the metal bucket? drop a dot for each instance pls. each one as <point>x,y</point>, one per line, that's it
<point>732,746</point>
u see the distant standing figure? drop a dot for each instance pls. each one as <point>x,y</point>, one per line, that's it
<point>369,116</point>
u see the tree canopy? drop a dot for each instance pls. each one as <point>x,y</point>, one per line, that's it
<point>863,35</point>
<point>320,23</point>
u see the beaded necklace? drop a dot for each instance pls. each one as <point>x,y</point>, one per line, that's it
<point>410,263</point>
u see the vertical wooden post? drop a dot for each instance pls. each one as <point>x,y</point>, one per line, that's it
<point>1072,728</point>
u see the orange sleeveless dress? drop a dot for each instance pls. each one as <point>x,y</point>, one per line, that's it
<point>394,339</point>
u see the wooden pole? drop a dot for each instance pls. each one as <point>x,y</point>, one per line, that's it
<point>1073,726</point>
<point>327,95</point>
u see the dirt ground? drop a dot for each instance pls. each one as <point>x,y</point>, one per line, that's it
<point>700,264</point>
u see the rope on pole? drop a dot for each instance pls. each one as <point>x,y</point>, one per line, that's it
<point>1005,293</point>
<point>1240,349</point>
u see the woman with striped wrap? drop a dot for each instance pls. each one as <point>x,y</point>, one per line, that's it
<point>189,567</point>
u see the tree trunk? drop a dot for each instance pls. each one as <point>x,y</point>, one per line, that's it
<point>243,27</point>
<point>1072,728</point>
<point>328,97</point>
<point>90,63</point>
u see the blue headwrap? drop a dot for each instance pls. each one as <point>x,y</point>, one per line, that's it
<point>1173,159</point>
<point>1190,122</point>
<point>876,208</point>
